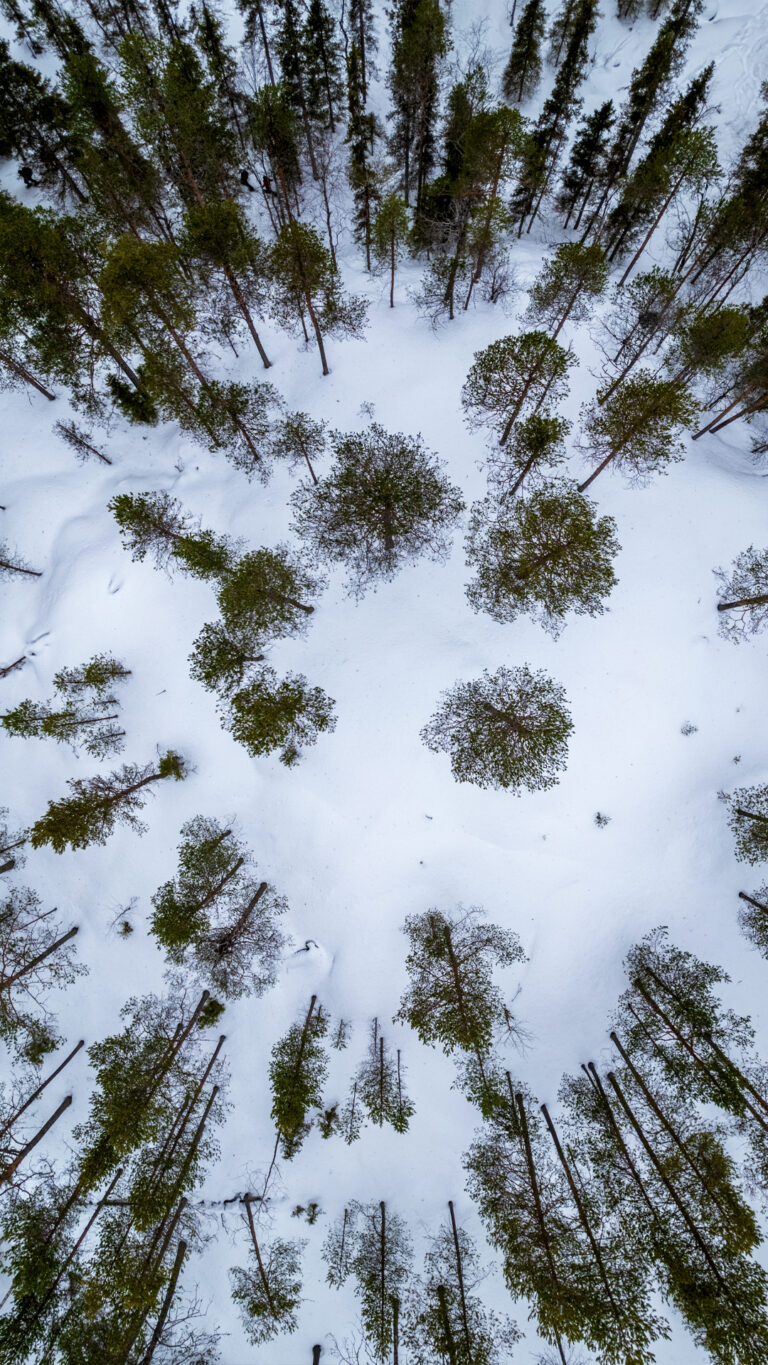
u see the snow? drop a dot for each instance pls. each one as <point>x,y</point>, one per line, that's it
<point>371,826</point>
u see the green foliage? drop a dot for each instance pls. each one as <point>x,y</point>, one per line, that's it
<point>287,715</point>
<point>221,657</point>
<point>83,720</point>
<point>451,999</point>
<point>155,524</point>
<point>268,1293</point>
<point>587,162</point>
<point>511,374</point>
<point>299,439</point>
<point>385,503</point>
<point>209,856</point>
<point>264,595</point>
<point>304,278</point>
<point>420,40</point>
<point>322,63</point>
<point>705,340</point>
<point>639,426</point>
<point>543,555</point>
<point>743,595</point>
<point>572,279</point>
<point>379,1087</point>
<point>98,803</point>
<point>27,1027</point>
<point>379,1259</point>
<point>748,821</point>
<point>297,1075</point>
<point>523,70</point>
<point>390,232</point>
<point>98,675</point>
<point>536,443</point>
<point>505,730</point>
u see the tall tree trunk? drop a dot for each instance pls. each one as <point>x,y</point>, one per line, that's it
<point>22,372</point>
<point>167,1301</point>
<point>539,1210</point>
<point>8,1171</point>
<point>37,1092</point>
<point>7,981</point>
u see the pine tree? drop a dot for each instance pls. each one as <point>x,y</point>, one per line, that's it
<point>297,1075</point>
<point>292,56</point>
<point>384,503</point>
<point>379,1086</point>
<point>448,1319</point>
<point>155,524</point>
<point>743,594</point>
<point>11,562</point>
<point>372,1244</point>
<point>753,918</point>
<point>35,959</point>
<point>452,999</point>
<point>274,132</point>
<point>571,281</point>
<point>299,439</point>
<point>523,70</point>
<point>587,160</point>
<point>216,918</point>
<point>304,277</point>
<point>645,309</point>
<point>747,388</point>
<point>510,374</point>
<point>36,128</point>
<point>536,444</point>
<point>81,442</point>
<point>364,174</point>
<point>98,803</point>
<point>83,719</point>
<point>285,714</point>
<point>637,428</point>
<point>543,555</point>
<point>419,42</point>
<point>266,595</point>
<point>268,1292</point>
<point>217,241</point>
<point>222,658</point>
<point>222,68</point>
<point>505,730</point>
<point>748,821</point>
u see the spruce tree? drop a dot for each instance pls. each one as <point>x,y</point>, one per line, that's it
<point>88,714</point>
<point>297,1075</point>
<point>452,999</point>
<point>284,714</point>
<point>218,243</point>
<point>291,53</point>
<point>98,803</point>
<point>522,72</point>
<point>420,40</point>
<point>638,428</point>
<point>322,62</point>
<point>743,595</point>
<point>512,374</point>
<point>585,166</point>
<point>542,555</point>
<point>36,959</point>
<point>384,503</point>
<point>372,1245</point>
<point>364,173</point>
<point>389,237</point>
<point>379,1086</point>
<point>507,730</point>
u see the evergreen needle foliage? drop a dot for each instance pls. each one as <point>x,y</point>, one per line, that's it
<point>98,803</point>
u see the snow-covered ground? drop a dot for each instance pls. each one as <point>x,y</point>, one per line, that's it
<point>371,826</point>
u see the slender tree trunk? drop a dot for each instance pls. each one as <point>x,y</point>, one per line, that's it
<point>751,901</point>
<point>650,231</point>
<point>15,568</point>
<point>392,271</point>
<point>10,1170</point>
<point>602,465</point>
<point>744,602</point>
<point>592,1076</point>
<point>7,981</point>
<point>246,312</point>
<point>716,420</point>
<point>539,1210</point>
<point>460,1277</point>
<point>37,1092</point>
<point>167,1301</point>
<point>22,372</point>
<point>232,934</point>
<point>9,668</point>
<point>383,1264</point>
<point>745,412</point>
<point>449,1341</point>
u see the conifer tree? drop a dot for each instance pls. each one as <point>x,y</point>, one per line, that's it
<point>292,57</point>
<point>84,719</point>
<point>35,957</point>
<point>299,439</point>
<point>373,1245</point>
<point>268,1291</point>
<point>510,375</point>
<point>222,658</point>
<point>284,714</point>
<point>505,730</point>
<point>379,1087</point>
<point>364,174</point>
<point>297,1075</point>
<point>216,918</point>
<point>81,442</point>
<point>363,34</point>
<point>645,309</point>
<point>384,503</point>
<point>274,132</point>
<point>322,62</point>
<point>217,241</point>
<point>568,285</point>
<point>586,163</point>
<point>638,428</point>
<point>98,803</point>
<point>266,595</point>
<point>523,70</point>
<point>389,237</point>
<point>305,278</point>
<point>36,128</point>
<point>542,555</point>
<point>560,31</point>
<point>748,821</point>
<point>535,446</point>
<point>419,42</point>
<point>743,595</point>
<point>452,999</point>
<point>448,1319</point>
<point>155,524</point>
<point>753,918</point>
